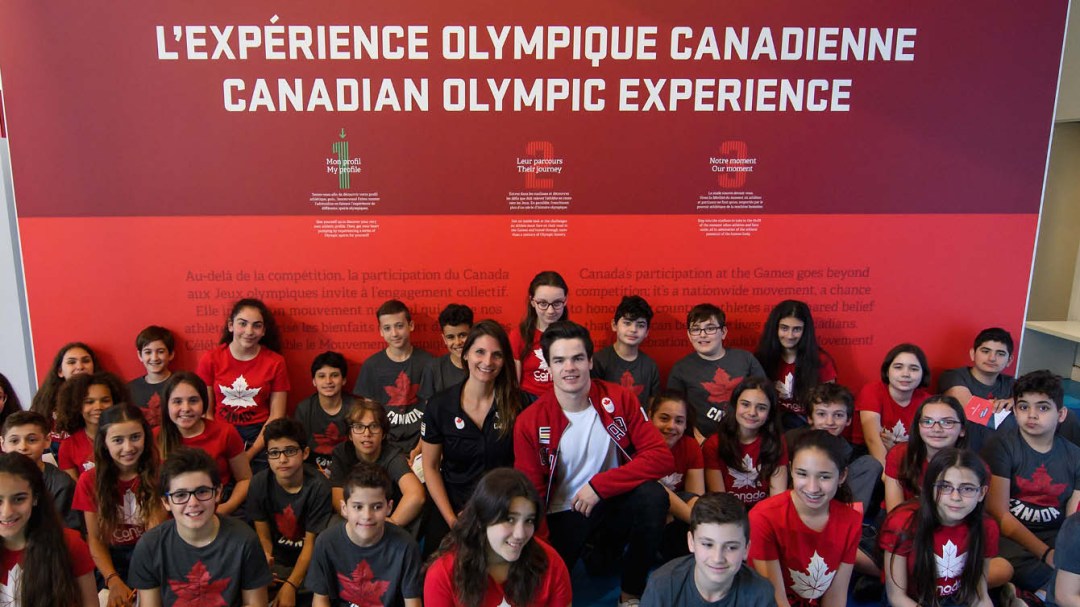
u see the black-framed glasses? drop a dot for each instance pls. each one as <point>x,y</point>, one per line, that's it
<point>289,451</point>
<point>709,330</point>
<point>182,496</point>
<point>946,424</point>
<point>365,428</point>
<point>544,305</point>
<point>966,489</point>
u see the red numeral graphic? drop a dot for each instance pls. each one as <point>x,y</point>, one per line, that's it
<point>539,150</point>
<point>732,150</point>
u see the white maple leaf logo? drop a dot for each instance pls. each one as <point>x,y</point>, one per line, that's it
<point>672,480</point>
<point>816,580</point>
<point>503,603</point>
<point>899,432</point>
<point>745,479</point>
<point>129,512</point>
<point>539,354</point>
<point>239,395</point>
<point>9,592</point>
<point>949,564</point>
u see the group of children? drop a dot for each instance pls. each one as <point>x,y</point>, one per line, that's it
<point>350,496</point>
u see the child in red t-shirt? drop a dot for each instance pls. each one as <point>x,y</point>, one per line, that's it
<point>886,408</point>
<point>40,562</point>
<point>547,304</point>
<point>82,399</point>
<point>671,415</point>
<point>746,456</point>
<point>804,540</point>
<point>789,352</point>
<point>937,548</point>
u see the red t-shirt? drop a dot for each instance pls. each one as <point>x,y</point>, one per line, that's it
<point>535,376</point>
<point>809,559</point>
<point>950,547</point>
<point>76,451</point>
<point>132,522</point>
<point>688,456</point>
<point>893,460</point>
<point>747,486</point>
<point>242,388</point>
<point>218,439</point>
<point>785,372</point>
<point>554,589</point>
<point>875,397</point>
<point>11,562</point>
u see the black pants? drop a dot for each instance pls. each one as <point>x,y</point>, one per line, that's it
<point>634,520</point>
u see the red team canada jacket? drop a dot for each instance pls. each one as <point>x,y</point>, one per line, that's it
<point>643,455</point>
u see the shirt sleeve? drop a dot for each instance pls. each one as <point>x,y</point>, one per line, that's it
<point>894,536</point>
<point>255,570</point>
<point>827,370</point>
<point>81,561</point>
<point>427,382</point>
<point>993,536</point>
<point>756,370</point>
<point>412,584</point>
<point>710,453</point>
<point>867,401</point>
<point>562,592</point>
<point>85,498</point>
<point>338,468</point>
<point>64,458</point>
<point>145,562</point>
<point>438,590</point>
<point>695,458</point>
<point>256,498</point>
<point>430,430</point>
<point>205,368</point>
<point>316,578</point>
<point>234,445</point>
<point>762,537</point>
<point>950,379</point>
<point>997,455</point>
<point>893,460</point>
<point>1067,551</point>
<point>319,506</point>
<point>853,533</point>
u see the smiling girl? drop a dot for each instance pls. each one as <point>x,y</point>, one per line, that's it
<point>546,304</point>
<point>119,497</point>
<point>937,548</point>
<point>940,424</point>
<point>184,425</point>
<point>73,359</point>
<point>804,540</point>
<point>491,556</point>
<point>746,456</point>
<point>82,400</point>
<point>886,408</point>
<point>247,375</point>
<point>789,352</point>
<point>670,414</point>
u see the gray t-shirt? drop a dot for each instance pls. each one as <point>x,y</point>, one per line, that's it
<point>215,574</point>
<point>1066,553</point>
<point>641,375</point>
<point>1040,484</point>
<point>708,384</point>
<point>396,385</point>
<point>385,574</point>
<point>290,515</point>
<point>439,375</point>
<point>672,585</point>
<point>323,431</point>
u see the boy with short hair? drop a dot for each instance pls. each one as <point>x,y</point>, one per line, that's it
<point>197,557</point>
<point>156,347</point>
<point>290,505</point>
<point>831,408</point>
<point>391,377</point>
<point>455,321</point>
<point>322,414</point>
<point>1036,479</point>
<point>623,362</point>
<point>27,432</point>
<point>366,561</point>
<point>709,374</point>
<point>715,571</point>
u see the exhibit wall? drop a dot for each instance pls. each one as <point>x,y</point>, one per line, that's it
<point>883,162</point>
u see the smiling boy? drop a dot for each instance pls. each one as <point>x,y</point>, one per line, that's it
<point>623,362</point>
<point>197,557</point>
<point>454,321</point>
<point>155,346</point>
<point>715,572</point>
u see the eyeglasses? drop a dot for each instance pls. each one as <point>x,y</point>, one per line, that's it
<point>181,497</point>
<point>287,452</point>
<point>365,428</point>
<point>544,305</point>
<point>709,330</point>
<point>946,424</point>
<point>966,490</point>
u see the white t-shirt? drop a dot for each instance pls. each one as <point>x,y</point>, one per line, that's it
<point>584,450</point>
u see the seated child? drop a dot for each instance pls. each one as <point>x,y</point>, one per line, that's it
<point>197,557</point>
<point>789,352</point>
<point>322,414</point>
<point>623,362</point>
<point>937,547</point>
<point>804,540</point>
<point>27,432</point>
<point>41,563</point>
<point>831,408</point>
<point>366,560</point>
<point>716,570</point>
<point>671,415</point>
<point>72,359</point>
<point>886,407</point>
<point>368,428</point>
<point>82,399</point>
<point>392,377</point>
<point>448,370</point>
<point>1036,479</point>
<point>290,505</point>
<point>709,374</point>
<point>155,346</point>
<point>1065,586</point>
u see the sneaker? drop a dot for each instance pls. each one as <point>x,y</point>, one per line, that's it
<point>630,603</point>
